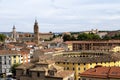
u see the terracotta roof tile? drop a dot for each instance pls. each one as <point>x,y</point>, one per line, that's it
<point>102,72</point>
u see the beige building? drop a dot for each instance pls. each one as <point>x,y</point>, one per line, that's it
<point>116,49</point>
<point>80,62</point>
<point>43,70</point>
<point>107,45</point>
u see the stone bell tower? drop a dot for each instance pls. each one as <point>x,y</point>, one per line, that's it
<point>14,34</point>
<point>36,32</point>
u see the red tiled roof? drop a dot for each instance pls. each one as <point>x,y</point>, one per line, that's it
<point>102,72</point>
<point>30,43</point>
<point>2,52</point>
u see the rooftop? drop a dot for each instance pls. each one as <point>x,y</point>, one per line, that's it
<point>6,52</point>
<point>101,41</point>
<point>102,72</point>
<point>87,58</point>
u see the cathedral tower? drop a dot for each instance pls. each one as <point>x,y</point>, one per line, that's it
<point>14,34</point>
<point>36,32</point>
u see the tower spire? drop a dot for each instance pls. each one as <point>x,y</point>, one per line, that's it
<point>14,27</point>
<point>36,21</point>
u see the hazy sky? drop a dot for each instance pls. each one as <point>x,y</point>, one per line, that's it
<point>59,15</point>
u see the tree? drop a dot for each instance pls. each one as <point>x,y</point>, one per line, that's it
<point>89,36</point>
<point>13,70</point>
<point>66,37</point>
<point>116,36</point>
<point>2,37</point>
<point>73,38</point>
<point>106,38</point>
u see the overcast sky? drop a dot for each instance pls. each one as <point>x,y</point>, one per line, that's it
<point>59,15</point>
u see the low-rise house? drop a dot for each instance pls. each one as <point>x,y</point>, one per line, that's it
<point>43,70</point>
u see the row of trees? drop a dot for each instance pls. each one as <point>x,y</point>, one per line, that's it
<point>116,36</point>
<point>89,36</point>
<point>82,36</point>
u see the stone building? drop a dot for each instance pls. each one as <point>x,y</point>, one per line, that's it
<point>36,36</point>
<point>43,70</point>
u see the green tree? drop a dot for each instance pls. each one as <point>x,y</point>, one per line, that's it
<point>116,36</point>
<point>106,38</point>
<point>67,37</point>
<point>2,37</point>
<point>89,36</point>
<point>13,70</point>
<point>73,38</point>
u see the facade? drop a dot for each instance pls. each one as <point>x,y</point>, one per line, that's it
<point>43,70</point>
<point>116,49</point>
<point>7,59</point>
<point>101,73</point>
<point>25,56</point>
<point>80,62</point>
<point>92,45</point>
<point>46,36</point>
<point>10,57</point>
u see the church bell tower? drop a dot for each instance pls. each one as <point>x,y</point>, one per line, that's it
<point>36,32</point>
<point>14,34</point>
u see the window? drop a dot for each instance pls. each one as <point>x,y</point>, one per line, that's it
<point>4,57</point>
<point>9,62</point>
<point>83,79</point>
<point>73,68</point>
<point>0,58</point>
<point>67,68</point>
<point>79,68</point>
<point>5,62</point>
<point>14,56</point>
<point>14,61</point>
<point>38,74</point>
<point>84,68</point>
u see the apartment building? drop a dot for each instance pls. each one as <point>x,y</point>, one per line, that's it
<point>101,45</point>
<point>7,59</point>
